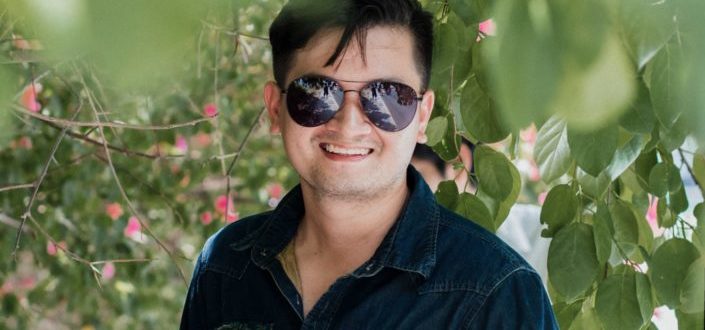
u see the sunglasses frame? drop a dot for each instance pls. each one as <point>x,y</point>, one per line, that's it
<point>416,97</point>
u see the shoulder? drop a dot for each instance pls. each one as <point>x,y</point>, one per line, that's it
<point>473,257</point>
<point>221,247</point>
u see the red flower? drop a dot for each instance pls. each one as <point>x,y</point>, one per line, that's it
<point>114,210</point>
<point>29,97</point>
<point>210,110</point>
<point>108,271</point>
<point>275,190</point>
<point>206,218</point>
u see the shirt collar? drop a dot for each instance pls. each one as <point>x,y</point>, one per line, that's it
<point>410,245</point>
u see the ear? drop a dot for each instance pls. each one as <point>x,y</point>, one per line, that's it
<point>272,100</point>
<point>425,108</point>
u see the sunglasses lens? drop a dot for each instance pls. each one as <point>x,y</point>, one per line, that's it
<point>313,101</point>
<point>391,106</point>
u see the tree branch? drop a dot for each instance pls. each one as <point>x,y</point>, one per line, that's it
<point>690,169</point>
<point>15,187</point>
<point>72,123</point>
<point>130,205</point>
<point>28,210</point>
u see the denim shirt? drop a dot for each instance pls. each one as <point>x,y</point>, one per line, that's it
<point>433,270</point>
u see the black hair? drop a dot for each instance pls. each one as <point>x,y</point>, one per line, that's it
<point>424,152</point>
<point>300,20</point>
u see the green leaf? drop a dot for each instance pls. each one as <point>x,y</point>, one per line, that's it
<point>647,26</point>
<point>669,267</point>
<point>445,50</point>
<point>566,313</point>
<point>436,130</point>
<point>602,227</point>
<point>593,97</point>
<point>447,194</point>
<point>593,186</point>
<point>643,165</point>
<point>504,206</point>
<point>524,61</point>
<point>587,319</point>
<point>559,209</point>
<point>626,154</point>
<point>644,295</point>
<point>616,302</point>
<point>692,295</point>
<point>480,114</point>
<point>664,178</point>
<point>699,168</point>
<point>472,208</point>
<point>626,229</point>
<point>551,151</point>
<point>699,232</point>
<point>572,263</point>
<point>471,12</point>
<point>449,147</point>
<point>595,150</point>
<point>665,216</point>
<point>690,321</point>
<point>640,118</point>
<point>665,81</point>
<point>493,172</point>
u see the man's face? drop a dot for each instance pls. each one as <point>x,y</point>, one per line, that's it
<point>349,157</point>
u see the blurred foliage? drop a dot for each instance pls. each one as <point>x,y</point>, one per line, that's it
<point>616,92</point>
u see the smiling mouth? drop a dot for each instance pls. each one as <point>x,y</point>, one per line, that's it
<point>345,151</point>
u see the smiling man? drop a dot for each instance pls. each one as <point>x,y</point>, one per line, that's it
<point>361,242</point>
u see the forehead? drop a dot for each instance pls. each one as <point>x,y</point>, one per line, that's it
<point>389,54</point>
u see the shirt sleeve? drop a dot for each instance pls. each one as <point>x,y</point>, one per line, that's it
<point>194,314</point>
<point>519,301</point>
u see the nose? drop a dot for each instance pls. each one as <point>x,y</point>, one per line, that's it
<point>350,119</point>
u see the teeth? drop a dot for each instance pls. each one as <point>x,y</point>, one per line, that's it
<point>346,151</point>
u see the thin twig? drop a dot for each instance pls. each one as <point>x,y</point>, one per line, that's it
<point>130,205</point>
<point>237,156</point>
<point>73,123</point>
<point>4,219</point>
<point>28,210</point>
<point>690,170</point>
<point>15,187</point>
<point>124,151</point>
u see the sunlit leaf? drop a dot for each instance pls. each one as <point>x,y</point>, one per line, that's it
<point>552,153</point>
<point>449,146</point>
<point>626,154</point>
<point>572,263</point>
<point>593,186</point>
<point>647,27</point>
<point>664,178</point>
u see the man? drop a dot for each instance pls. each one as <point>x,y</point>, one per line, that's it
<point>361,242</point>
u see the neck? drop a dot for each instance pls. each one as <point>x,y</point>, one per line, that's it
<point>348,228</point>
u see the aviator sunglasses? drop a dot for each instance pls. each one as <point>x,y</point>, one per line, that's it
<point>314,100</point>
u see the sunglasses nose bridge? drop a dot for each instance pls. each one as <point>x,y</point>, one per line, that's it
<point>351,117</point>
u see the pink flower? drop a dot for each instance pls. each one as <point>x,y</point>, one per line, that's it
<point>108,271</point>
<point>528,135</point>
<point>24,142</point>
<point>488,27</point>
<point>232,217</point>
<point>28,282</point>
<point>133,227</point>
<point>52,248</point>
<point>181,144</point>
<point>29,97</point>
<point>652,217</point>
<point>114,210</point>
<point>221,202</point>
<point>210,110</point>
<point>275,190</point>
<point>202,139</point>
<point>206,218</point>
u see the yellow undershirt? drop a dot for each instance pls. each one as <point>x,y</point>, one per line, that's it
<point>287,258</point>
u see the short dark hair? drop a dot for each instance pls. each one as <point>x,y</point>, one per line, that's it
<point>300,20</point>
